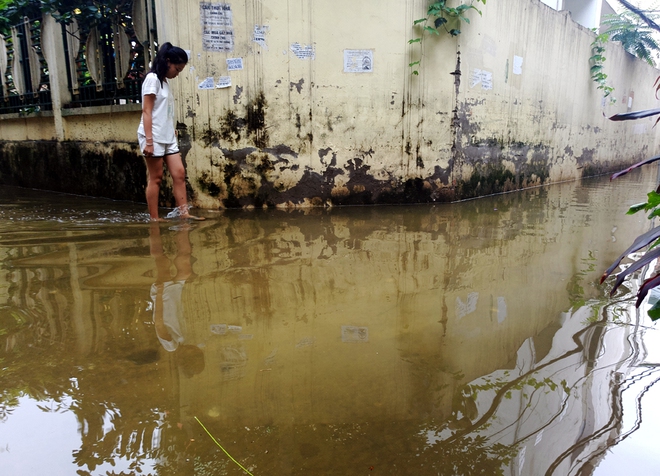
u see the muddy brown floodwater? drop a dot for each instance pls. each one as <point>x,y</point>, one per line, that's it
<point>459,339</point>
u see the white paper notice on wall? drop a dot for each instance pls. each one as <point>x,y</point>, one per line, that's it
<point>259,35</point>
<point>217,27</point>
<point>208,83</point>
<point>483,77</point>
<point>234,64</point>
<point>475,78</point>
<point>223,82</point>
<point>517,64</point>
<point>302,51</point>
<point>358,61</point>
<point>486,80</point>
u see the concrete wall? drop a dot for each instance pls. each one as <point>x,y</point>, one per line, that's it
<point>507,104</point>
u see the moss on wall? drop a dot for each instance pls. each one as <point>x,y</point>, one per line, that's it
<point>114,170</point>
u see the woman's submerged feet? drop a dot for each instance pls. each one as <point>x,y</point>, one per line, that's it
<point>183,213</point>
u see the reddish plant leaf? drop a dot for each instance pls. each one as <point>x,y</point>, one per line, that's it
<point>639,243</point>
<point>638,164</point>
<point>646,287</point>
<point>643,261</point>
<point>630,116</point>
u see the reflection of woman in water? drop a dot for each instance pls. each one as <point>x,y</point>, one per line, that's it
<point>166,295</point>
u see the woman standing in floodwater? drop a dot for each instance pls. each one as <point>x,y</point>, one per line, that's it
<point>156,134</point>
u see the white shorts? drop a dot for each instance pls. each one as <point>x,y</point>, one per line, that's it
<point>160,149</point>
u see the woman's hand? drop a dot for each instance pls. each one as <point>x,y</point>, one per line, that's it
<point>148,150</point>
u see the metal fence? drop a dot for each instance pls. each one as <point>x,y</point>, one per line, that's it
<point>105,62</point>
<point>25,80</point>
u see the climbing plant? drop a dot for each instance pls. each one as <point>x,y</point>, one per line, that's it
<point>597,59</point>
<point>635,36</point>
<point>442,18</point>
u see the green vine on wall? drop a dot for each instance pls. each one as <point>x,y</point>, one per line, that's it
<point>597,60</point>
<point>444,18</point>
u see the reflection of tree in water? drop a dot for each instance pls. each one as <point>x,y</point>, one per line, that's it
<point>468,426</point>
<point>468,455</point>
<point>77,366</point>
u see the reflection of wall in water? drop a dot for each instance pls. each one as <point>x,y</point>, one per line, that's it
<point>447,295</point>
<point>444,294</point>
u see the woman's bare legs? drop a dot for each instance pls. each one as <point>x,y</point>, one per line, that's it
<point>154,179</point>
<point>178,173</point>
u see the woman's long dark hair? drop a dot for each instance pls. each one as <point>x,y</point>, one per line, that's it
<point>166,52</point>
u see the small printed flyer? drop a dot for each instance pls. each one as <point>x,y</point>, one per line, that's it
<point>481,77</point>
<point>223,82</point>
<point>302,52</point>
<point>208,83</point>
<point>217,27</point>
<point>358,61</point>
<point>234,64</point>
<point>259,36</point>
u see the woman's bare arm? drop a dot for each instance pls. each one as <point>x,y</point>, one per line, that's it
<point>147,121</point>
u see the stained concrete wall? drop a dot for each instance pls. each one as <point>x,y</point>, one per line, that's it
<point>507,104</point>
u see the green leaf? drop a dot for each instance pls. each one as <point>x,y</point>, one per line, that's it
<point>416,40</point>
<point>430,29</point>
<point>414,64</point>
<point>653,199</point>
<point>654,312</point>
<point>421,20</point>
<point>636,208</point>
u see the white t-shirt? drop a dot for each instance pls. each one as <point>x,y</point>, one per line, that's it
<point>172,313</point>
<point>162,116</point>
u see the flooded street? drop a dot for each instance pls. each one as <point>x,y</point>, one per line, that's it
<point>459,339</point>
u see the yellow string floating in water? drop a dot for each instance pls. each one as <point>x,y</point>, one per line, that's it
<point>220,446</point>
